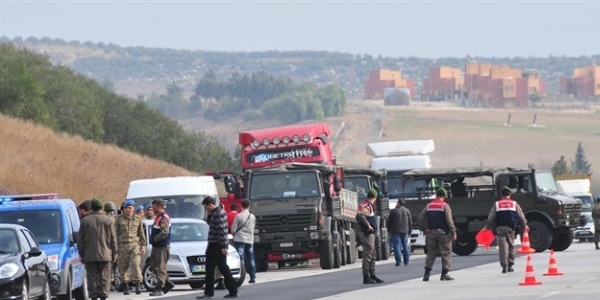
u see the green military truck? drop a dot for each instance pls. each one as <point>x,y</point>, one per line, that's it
<point>551,217</point>
<point>302,215</point>
<point>361,181</point>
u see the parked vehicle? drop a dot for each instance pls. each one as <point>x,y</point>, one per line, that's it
<point>183,195</point>
<point>55,225</point>
<point>551,217</point>
<point>586,232</point>
<point>24,270</point>
<point>187,259</point>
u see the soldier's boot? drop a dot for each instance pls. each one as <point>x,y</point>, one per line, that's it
<point>157,292</point>
<point>125,288</point>
<point>374,278</point>
<point>169,286</point>
<point>220,284</point>
<point>503,269</point>
<point>367,279</point>
<point>137,288</point>
<point>597,245</point>
<point>426,275</point>
<point>445,276</point>
<point>510,268</point>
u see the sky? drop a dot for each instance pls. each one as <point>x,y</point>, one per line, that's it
<point>428,29</point>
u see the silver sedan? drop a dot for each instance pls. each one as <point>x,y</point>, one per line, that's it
<point>187,260</point>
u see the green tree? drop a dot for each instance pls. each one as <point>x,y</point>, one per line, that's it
<point>581,164</point>
<point>560,166</point>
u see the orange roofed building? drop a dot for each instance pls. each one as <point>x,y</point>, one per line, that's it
<point>585,83</point>
<point>382,79</point>
<point>443,83</point>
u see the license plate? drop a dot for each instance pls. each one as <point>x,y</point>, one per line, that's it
<point>286,244</point>
<point>198,268</point>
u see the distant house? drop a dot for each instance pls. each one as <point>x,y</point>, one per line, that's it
<point>382,79</point>
<point>584,84</point>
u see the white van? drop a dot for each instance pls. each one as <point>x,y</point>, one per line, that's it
<point>183,195</point>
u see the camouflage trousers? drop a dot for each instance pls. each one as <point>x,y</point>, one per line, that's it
<point>438,242</point>
<point>129,263</point>
<point>368,252</point>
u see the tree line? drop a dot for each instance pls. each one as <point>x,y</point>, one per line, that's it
<point>31,88</point>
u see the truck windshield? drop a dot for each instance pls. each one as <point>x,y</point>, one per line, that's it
<point>407,189</point>
<point>545,182</point>
<point>284,185</point>
<point>587,202</point>
<point>46,225</point>
<point>359,184</point>
<point>186,206</point>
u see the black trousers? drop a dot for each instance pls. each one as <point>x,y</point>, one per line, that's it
<point>215,258</point>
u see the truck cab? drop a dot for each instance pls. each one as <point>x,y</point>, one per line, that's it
<point>55,225</point>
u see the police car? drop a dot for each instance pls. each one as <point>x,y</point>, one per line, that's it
<point>55,223</point>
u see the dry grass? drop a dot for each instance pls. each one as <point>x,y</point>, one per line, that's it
<point>34,159</point>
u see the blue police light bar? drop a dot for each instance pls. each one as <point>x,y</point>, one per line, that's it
<point>10,198</point>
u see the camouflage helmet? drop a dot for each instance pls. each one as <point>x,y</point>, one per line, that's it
<point>109,206</point>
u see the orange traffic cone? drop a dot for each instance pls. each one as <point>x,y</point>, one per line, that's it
<point>529,276</point>
<point>552,268</point>
<point>525,248</point>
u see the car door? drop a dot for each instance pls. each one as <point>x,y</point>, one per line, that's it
<point>73,224</point>
<point>36,265</point>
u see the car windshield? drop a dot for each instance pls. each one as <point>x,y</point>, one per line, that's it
<point>187,232</point>
<point>46,225</point>
<point>8,241</point>
<point>186,206</point>
<point>284,185</point>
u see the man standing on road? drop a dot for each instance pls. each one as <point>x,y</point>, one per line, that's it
<point>243,237</point>
<point>132,243</point>
<point>436,221</point>
<point>97,246</point>
<point>85,208</point>
<point>504,219</point>
<point>596,217</point>
<point>399,226</point>
<point>160,239</point>
<point>367,223</point>
<point>216,251</point>
<point>111,211</point>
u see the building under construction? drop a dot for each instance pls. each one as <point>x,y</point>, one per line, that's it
<point>584,84</point>
<point>379,80</point>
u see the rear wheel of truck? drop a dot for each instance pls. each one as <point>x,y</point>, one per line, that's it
<point>465,245</point>
<point>540,237</point>
<point>385,248</point>
<point>326,253</point>
<point>337,251</point>
<point>262,262</point>
<point>561,242</point>
<point>343,249</point>
<point>352,251</point>
<point>378,250</point>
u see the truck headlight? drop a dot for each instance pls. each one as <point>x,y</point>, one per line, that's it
<point>314,235</point>
<point>8,270</point>
<point>53,262</point>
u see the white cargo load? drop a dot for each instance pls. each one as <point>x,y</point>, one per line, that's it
<point>400,148</point>
<point>172,186</point>
<point>573,186</point>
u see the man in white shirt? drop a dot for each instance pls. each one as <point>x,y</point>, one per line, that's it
<point>243,237</point>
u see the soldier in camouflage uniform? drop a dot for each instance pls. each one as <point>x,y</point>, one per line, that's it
<point>111,211</point>
<point>131,244</point>
<point>149,212</point>
<point>596,217</point>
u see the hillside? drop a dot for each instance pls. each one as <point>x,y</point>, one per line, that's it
<point>33,159</point>
<point>463,137</point>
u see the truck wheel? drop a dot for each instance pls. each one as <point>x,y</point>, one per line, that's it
<point>540,237</point>
<point>352,251</point>
<point>326,253</point>
<point>343,250</point>
<point>385,248</point>
<point>465,245</point>
<point>378,250</point>
<point>561,242</point>
<point>262,263</point>
<point>337,252</point>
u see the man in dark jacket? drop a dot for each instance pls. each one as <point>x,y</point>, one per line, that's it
<point>367,223</point>
<point>399,226</point>
<point>216,251</point>
<point>160,239</point>
<point>97,246</point>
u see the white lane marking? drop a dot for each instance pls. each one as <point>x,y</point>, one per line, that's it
<point>549,294</point>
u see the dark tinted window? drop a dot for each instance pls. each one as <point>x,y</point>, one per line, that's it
<point>8,241</point>
<point>179,206</point>
<point>31,239</point>
<point>46,225</point>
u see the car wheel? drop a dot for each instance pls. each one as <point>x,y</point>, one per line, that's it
<point>24,291</point>
<point>149,280</point>
<point>46,295</point>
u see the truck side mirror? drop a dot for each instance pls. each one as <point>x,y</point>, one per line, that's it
<point>227,183</point>
<point>237,190</point>
<point>384,187</point>
<point>337,186</point>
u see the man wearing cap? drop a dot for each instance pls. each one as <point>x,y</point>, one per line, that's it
<point>216,251</point>
<point>149,212</point>
<point>436,221</point>
<point>367,223</point>
<point>160,239</point>
<point>85,208</point>
<point>504,219</point>
<point>97,246</point>
<point>132,243</point>
<point>139,211</point>
<point>111,211</point>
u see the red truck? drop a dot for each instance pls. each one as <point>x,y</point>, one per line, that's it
<point>296,188</point>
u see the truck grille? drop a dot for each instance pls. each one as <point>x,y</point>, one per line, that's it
<point>572,209</point>
<point>285,222</point>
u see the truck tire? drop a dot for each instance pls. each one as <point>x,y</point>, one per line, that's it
<point>326,253</point>
<point>262,263</point>
<point>343,249</point>
<point>352,251</point>
<point>242,276</point>
<point>540,237</point>
<point>337,251</point>
<point>385,246</point>
<point>378,250</point>
<point>561,242</point>
<point>465,245</point>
